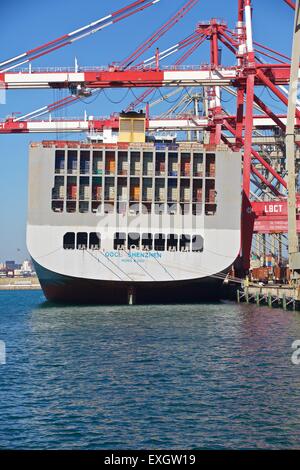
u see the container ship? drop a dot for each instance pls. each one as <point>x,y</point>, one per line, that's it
<point>133,221</point>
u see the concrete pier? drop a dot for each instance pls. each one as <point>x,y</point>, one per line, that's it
<point>19,283</point>
<point>283,296</point>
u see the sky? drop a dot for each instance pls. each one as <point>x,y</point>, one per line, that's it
<point>25,25</point>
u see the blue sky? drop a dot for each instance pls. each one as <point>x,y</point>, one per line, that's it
<point>25,25</point>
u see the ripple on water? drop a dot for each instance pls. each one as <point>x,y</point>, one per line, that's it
<point>191,376</point>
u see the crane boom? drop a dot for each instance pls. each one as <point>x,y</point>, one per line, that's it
<point>158,34</point>
<point>73,36</point>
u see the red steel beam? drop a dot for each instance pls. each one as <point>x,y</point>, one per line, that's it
<point>290,3</point>
<point>275,90</point>
<point>73,36</point>
<point>265,181</point>
<point>258,157</point>
<point>254,170</point>
<point>269,112</point>
<point>241,5</point>
<point>158,34</point>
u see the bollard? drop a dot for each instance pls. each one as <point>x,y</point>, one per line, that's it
<point>238,296</point>
<point>257,298</point>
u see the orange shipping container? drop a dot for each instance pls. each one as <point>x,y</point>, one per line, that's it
<point>111,164</point>
<point>135,193</point>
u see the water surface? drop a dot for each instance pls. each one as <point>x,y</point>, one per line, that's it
<point>208,376</point>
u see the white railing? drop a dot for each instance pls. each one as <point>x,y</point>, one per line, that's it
<point>103,68</point>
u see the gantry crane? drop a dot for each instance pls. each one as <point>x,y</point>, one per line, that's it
<point>237,131</point>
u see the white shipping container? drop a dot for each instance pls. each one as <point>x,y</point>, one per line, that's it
<point>86,192</point>
<point>148,194</point>
<point>186,194</point>
<point>61,192</point>
<point>173,192</point>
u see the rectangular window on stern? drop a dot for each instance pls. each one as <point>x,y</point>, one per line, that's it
<point>94,241</point>
<point>82,241</point>
<point>69,241</point>
<point>159,242</point>
<point>147,241</point>
<point>185,243</point>
<point>172,242</point>
<point>119,241</point>
<point>133,241</point>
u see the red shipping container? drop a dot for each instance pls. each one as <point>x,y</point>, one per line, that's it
<point>212,196</point>
<point>97,193</point>
<point>72,191</point>
<point>199,195</point>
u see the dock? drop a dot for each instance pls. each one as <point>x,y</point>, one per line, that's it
<point>283,296</point>
<point>20,283</point>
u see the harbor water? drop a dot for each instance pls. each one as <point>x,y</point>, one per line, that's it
<point>213,376</point>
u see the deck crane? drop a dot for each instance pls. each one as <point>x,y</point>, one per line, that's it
<point>249,73</point>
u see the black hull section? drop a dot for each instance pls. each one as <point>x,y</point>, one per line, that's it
<point>73,290</point>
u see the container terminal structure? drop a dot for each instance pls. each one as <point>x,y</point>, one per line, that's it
<point>254,131</point>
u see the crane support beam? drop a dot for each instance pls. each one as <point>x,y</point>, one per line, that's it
<point>117,78</point>
<point>184,123</point>
<point>171,76</point>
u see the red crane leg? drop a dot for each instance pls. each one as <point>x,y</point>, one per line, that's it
<point>248,134</point>
<point>247,216</point>
<point>241,4</point>
<point>240,117</point>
